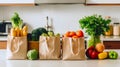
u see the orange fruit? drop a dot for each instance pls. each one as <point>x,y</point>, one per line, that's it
<point>100,47</point>
<point>72,33</point>
<point>75,36</point>
<point>79,33</point>
<point>67,34</point>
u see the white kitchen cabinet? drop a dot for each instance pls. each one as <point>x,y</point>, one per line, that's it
<point>59,1</point>
<point>16,2</point>
<point>102,1</point>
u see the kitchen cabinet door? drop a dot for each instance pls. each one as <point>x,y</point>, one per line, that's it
<point>16,2</point>
<point>102,1</point>
<point>60,1</point>
<point>3,44</point>
<point>112,44</point>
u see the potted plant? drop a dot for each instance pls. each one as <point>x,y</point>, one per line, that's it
<point>94,26</point>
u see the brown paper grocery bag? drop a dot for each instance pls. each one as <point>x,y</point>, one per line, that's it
<point>16,47</point>
<point>49,47</point>
<point>73,48</point>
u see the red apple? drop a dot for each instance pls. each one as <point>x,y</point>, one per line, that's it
<point>91,48</point>
<point>92,53</point>
<point>89,51</point>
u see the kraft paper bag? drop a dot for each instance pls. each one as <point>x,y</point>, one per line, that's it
<point>49,48</point>
<point>16,48</point>
<point>73,48</point>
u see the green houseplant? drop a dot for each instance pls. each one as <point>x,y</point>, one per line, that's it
<point>94,26</point>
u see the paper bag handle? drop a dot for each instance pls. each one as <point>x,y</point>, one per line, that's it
<point>17,44</point>
<point>71,47</point>
<point>46,46</point>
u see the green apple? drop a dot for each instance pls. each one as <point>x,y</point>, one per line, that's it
<point>44,34</point>
<point>50,33</point>
<point>57,35</point>
<point>113,55</point>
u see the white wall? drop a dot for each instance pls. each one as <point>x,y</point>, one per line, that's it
<point>1,13</point>
<point>65,17</point>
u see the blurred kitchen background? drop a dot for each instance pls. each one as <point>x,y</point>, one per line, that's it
<point>64,17</point>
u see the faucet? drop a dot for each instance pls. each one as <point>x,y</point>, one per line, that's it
<point>49,27</point>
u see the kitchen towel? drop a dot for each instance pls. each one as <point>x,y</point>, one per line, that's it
<point>73,48</point>
<point>16,47</point>
<point>49,47</point>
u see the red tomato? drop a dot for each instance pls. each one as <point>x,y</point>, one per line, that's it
<point>75,36</point>
<point>72,33</point>
<point>67,34</point>
<point>79,33</point>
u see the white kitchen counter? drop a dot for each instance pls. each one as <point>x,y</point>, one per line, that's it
<point>110,38</point>
<point>103,38</point>
<point>57,63</point>
<point>3,38</point>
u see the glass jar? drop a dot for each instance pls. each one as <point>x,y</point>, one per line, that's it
<point>110,31</point>
<point>116,29</point>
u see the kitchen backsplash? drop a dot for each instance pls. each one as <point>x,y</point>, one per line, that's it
<point>65,17</point>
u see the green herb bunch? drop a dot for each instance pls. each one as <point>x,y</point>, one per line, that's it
<point>94,25</point>
<point>16,21</point>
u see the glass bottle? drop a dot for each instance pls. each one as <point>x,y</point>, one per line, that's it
<point>116,29</point>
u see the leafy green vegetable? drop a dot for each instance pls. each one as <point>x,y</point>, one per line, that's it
<point>32,54</point>
<point>16,20</point>
<point>93,40</point>
<point>94,25</point>
<point>37,32</point>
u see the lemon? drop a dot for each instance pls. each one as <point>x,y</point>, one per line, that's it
<point>102,55</point>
